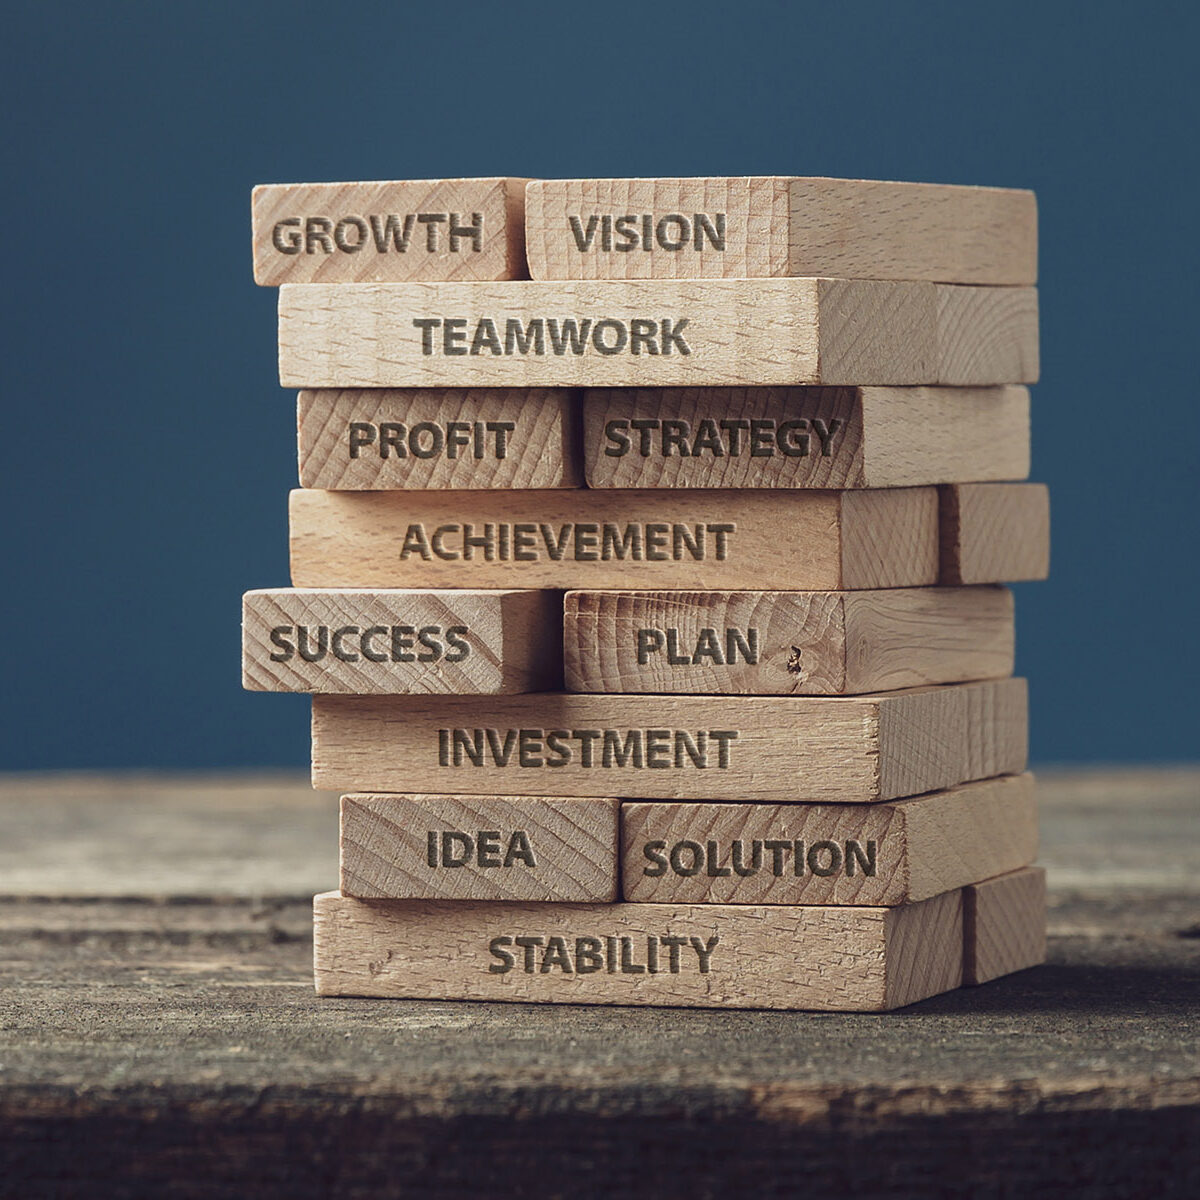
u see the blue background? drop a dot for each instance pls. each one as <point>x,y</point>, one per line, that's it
<point>147,448</point>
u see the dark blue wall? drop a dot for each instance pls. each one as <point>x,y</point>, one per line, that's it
<point>147,448</point>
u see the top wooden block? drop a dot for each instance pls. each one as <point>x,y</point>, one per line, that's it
<point>775,225</point>
<point>388,232</point>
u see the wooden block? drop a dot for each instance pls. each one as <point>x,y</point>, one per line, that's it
<point>391,231</point>
<point>804,437</point>
<point>774,748</point>
<point>702,956</point>
<point>563,539</point>
<point>396,642</point>
<point>369,439</point>
<point>1004,925</point>
<point>428,847</point>
<point>785,643</point>
<point>656,333</point>
<point>777,226</point>
<point>994,532</point>
<point>827,853</point>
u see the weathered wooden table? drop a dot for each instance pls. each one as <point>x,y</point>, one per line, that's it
<point>159,1035</point>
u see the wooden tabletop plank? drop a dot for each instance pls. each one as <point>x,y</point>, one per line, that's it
<point>75,836</point>
<point>174,1011</point>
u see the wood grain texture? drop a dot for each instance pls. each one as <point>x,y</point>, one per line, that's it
<point>778,226</point>
<point>562,539</point>
<point>827,853</point>
<point>823,958</point>
<point>785,643</point>
<point>803,437</point>
<point>989,721</point>
<point>388,231</point>
<point>994,532</point>
<point>156,933</point>
<point>431,847</point>
<point>1004,925</point>
<point>367,439</point>
<point>399,642</point>
<point>269,838</point>
<point>655,333</point>
<point>779,748</point>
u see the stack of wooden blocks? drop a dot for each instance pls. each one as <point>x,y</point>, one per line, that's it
<point>646,565</point>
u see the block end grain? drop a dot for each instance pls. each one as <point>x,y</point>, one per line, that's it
<point>987,335</point>
<point>924,949</point>
<point>889,538</point>
<point>994,532</point>
<point>876,333</point>
<point>976,831</point>
<point>1004,925</point>
<point>937,737</point>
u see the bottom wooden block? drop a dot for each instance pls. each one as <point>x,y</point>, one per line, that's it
<point>1004,925</point>
<point>705,956</point>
